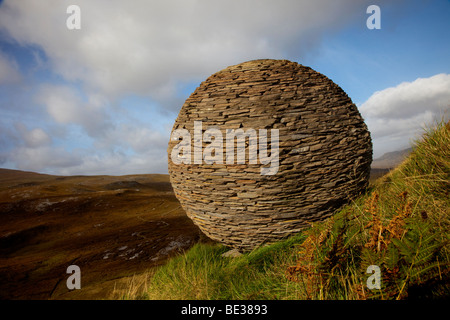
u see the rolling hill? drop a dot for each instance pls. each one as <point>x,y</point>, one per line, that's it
<point>390,160</point>
<point>111,227</point>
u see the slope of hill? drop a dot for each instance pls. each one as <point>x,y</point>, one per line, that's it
<point>111,227</point>
<point>390,160</point>
<point>400,225</point>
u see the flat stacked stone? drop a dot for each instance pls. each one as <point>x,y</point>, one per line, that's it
<point>325,152</point>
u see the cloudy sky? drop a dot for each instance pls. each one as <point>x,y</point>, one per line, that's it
<point>103,99</point>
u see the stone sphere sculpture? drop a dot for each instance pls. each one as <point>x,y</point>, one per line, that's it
<point>263,148</point>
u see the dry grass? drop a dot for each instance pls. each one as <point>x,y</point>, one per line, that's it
<point>402,225</point>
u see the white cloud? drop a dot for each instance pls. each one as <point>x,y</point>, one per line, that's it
<point>34,138</point>
<point>126,150</point>
<point>151,46</point>
<point>409,99</point>
<point>34,151</point>
<point>62,103</point>
<point>138,138</point>
<point>65,105</point>
<point>42,158</point>
<point>398,114</point>
<point>9,72</point>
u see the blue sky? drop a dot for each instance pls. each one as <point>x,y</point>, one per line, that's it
<point>103,99</point>
<point>413,42</point>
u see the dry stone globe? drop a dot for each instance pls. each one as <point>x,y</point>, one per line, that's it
<point>264,148</point>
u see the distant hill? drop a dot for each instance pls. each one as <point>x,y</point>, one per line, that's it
<point>9,174</point>
<point>390,160</point>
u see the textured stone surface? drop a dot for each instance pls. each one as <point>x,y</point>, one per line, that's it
<point>325,152</point>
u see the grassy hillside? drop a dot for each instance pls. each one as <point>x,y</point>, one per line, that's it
<point>401,224</point>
